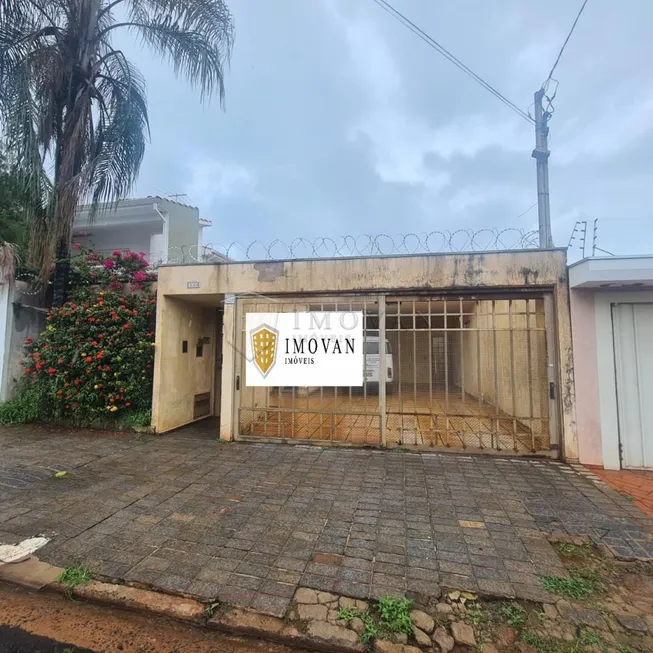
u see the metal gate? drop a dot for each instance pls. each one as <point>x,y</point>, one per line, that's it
<point>633,350</point>
<point>339,414</point>
<point>460,372</point>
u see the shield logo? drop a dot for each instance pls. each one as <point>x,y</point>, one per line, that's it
<point>264,347</point>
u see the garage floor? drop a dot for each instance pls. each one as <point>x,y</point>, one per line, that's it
<point>434,418</point>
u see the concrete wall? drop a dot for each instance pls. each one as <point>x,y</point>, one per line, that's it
<point>496,271</point>
<point>179,376</point>
<point>587,377</point>
<point>517,385</point>
<point>530,268</point>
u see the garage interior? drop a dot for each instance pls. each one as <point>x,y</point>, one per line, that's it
<point>468,372</point>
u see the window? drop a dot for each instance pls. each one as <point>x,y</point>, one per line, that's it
<point>372,347</point>
<point>199,349</point>
<point>184,346</point>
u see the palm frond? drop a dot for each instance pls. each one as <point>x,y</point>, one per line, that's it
<point>195,36</point>
<point>9,261</point>
<point>120,137</point>
<point>73,110</point>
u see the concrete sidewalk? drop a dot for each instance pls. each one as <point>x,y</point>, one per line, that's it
<point>249,524</point>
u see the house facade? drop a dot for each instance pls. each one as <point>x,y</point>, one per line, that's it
<point>612,321</point>
<point>478,348</point>
<point>167,231</point>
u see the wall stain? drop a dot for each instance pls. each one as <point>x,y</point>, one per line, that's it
<point>270,271</point>
<point>530,276</point>
<point>474,268</point>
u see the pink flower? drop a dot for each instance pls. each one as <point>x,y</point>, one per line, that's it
<point>115,285</point>
<point>140,276</point>
<point>142,254</point>
<point>116,252</point>
<point>77,246</point>
<point>109,264</point>
<point>92,258</point>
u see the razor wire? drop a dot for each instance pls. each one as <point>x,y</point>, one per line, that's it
<point>434,242</point>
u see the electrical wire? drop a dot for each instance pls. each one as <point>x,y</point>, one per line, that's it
<point>564,45</point>
<point>386,6</point>
<point>532,206</point>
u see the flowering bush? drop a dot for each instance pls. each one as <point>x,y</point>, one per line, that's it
<point>95,357</point>
<point>90,269</point>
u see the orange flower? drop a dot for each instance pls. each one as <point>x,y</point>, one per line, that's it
<point>89,359</point>
<point>60,392</point>
<point>52,371</point>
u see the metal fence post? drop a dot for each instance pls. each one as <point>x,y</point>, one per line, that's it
<point>382,369</point>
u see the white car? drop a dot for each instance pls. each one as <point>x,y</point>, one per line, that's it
<point>371,351</point>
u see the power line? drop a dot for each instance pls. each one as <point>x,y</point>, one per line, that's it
<point>564,45</point>
<point>386,6</point>
<point>532,206</point>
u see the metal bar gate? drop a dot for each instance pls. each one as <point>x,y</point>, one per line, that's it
<point>457,372</point>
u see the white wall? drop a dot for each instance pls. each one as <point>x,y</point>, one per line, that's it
<point>137,237</point>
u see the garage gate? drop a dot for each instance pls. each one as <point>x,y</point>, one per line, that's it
<point>462,372</point>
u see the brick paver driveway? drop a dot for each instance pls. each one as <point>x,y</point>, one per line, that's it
<point>249,523</point>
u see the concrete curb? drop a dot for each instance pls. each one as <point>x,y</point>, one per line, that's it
<point>132,598</point>
<point>34,574</point>
<point>243,622</point>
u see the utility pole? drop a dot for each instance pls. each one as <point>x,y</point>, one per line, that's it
<point>541,156</point>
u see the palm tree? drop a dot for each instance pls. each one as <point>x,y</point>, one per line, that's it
<point>73,109</point>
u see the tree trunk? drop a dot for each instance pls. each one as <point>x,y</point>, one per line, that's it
<point>72,160</point>
<point>61,274</point>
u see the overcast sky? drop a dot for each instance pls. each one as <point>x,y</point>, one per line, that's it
<point>340,121</point>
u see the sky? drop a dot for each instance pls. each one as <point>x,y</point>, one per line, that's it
<point>339,121</point>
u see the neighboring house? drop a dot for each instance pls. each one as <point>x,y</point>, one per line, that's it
<point>612,326</point>
<point>167,231</point>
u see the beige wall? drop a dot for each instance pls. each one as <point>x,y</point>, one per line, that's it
<point>530,268</point>
<point>491,271</point>
<point>517,385</point>
<point>178,377</point>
